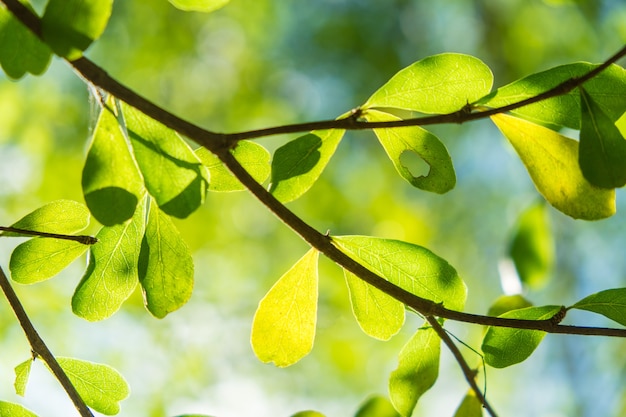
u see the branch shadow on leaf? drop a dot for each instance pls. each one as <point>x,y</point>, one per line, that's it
<point>101,201</point>
<point>286,166</point>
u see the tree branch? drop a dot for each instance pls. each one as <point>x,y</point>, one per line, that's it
<point>85,240</point>
<point>39,348</point>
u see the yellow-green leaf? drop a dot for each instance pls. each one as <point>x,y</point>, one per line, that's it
<point>602,153</point>
<point>8,409</point>
<point>283,329</point>
<point>112,184</point>
<point>60,216</point>
<point>41,258</point>
<point>418,369</point>
<point>610,303</point>
<point>252,156</point>
<point>377,406</point>
<point>398,141</point>
<point>506,303</point>
<point>470,406</point>
<point>437,84</point>
<point>22,373</point>
<point>165,265</point>
<point>99,385</point>
<point>378,314</point>
<point>199,5</point>
<point>552,162</point>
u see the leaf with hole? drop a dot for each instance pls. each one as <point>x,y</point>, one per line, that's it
<point>417,371</point>
<point>42,258</point>
<point>379,315</point>
<point>99,385</point>
<point>199,5</point>
<point>252,156</point>
<point>602,153</point>
<point>8,409</point>
<point>165,265</point>
<point>22,51</point>
<point>112,272</point>
<point>112,199</point>
<point>504,346</point>
<point>172,172</point>
<point>437,84</point>
<point>22,373</point>
<point>532,246</point>
<point>608,89</point>
<point>552,162</point>
<point>299,163</point>
<point>398,141</point>
<point>283,329</point>
<point>610,303</point>
<point>70,26</point>
<point>409,266</point>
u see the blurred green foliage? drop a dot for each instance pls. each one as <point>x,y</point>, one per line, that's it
<point>258,63</point>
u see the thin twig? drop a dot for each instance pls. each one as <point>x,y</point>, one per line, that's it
<point>39,348</point>
<point>469,373</point>
<point>84,239</point>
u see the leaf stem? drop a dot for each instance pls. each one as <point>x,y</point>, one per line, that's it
<point>85,240</point>
<point>39,347</point>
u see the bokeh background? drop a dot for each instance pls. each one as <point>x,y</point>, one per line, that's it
<point>260,63</point>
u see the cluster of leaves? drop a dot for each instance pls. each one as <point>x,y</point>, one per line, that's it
<point>139,173</point>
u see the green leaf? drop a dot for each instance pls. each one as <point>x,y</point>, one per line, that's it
<point>610,303</point>
<point>437,84</point>
<point>418,369</point>
<point>412,267</point>
<point>398,141</point>
<point>470,406</point>
<point>172,172</point>
<point>100,386</point>
<point>165,265</point>
<point>22,51</point>
<point>199,5</point>
<point>70,26</point>
<point>283,329</point>
<point>60,216</point>
<point>552,162</point>
<point>112,199</point>
<point>252,156</point>
<point>504,346</point>
<point>379,315</point>
<point>22,373</point>
<point>8,409</point>
<point>298,164</point>
<point>602,155</point>
<point>506,303</point>
<point>308,413</point>
<point>377,406</point>
<point>532,247</point>
<point>112,273</point>
<point>42,258</point>
<point>608,89</point>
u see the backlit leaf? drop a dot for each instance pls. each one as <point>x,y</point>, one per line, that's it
<point>70,26</point>
<point>112,199</point>
<point>418,369</point>
<point>470,406</point>
<point>532,247</point>
<point>398,141</point>
<point>60,216</point>
<point>437,84</point>
<point>172,172</point>
<point>8,409</point>
<point>602,153</point>
<point>409,266</point>
<point>377,406</point>
<point>252,156</point>
<point>308,413</point>
<point>22,51</point>
<point>283,329</point>
<point>22,373</point>
<point>199,5</point>
<point>505,346</point>
<point>299,163</point>
<point>610,303</point>
<point>165,265</point>
<point>111,274</point>
<point>42,258</point>
<point>506,303</point>
<point>378,314</point>
<point>552,162</point>
<point>608,89</point>
<point>100,386</point>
